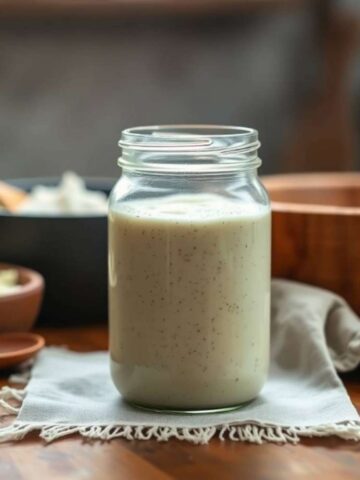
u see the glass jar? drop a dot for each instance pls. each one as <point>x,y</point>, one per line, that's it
<point>189,268</point>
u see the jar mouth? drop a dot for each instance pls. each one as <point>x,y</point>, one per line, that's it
<point>189,148</point>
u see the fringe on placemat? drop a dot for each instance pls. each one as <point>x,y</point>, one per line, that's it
<point>253,433</point>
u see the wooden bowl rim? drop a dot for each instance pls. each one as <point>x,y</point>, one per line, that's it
<point>309,181</point>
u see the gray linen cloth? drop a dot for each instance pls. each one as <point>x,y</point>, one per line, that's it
<point>314,333</point>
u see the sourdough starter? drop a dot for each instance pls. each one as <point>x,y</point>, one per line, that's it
<point>189,301</point>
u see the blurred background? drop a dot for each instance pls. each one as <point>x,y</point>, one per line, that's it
<point>75,73</point>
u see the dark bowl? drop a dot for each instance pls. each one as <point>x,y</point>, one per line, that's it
<point>69,251</point>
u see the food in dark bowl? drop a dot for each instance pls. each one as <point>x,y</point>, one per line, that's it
<point>68,249</point>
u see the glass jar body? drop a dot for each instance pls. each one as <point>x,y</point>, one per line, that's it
<point>189,289</point>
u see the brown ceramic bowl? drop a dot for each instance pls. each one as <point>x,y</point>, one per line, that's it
<point>316,230</point>
<point>19,310</point>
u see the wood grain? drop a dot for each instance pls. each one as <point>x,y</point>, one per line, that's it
<point>316,227</point>
<point>77,459</point>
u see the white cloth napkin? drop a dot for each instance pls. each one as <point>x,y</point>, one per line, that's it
<point>314,333</point>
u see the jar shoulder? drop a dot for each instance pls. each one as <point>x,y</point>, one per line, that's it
<point>242,189</point>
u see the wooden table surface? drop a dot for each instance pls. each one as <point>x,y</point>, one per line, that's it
<point>74,458</point>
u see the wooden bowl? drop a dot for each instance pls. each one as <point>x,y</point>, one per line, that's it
<point>19,310</point>
<point>316,230</point>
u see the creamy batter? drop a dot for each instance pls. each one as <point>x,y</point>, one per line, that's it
<point>189,301</point>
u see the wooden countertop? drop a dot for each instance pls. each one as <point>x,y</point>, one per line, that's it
<point>73,458</point>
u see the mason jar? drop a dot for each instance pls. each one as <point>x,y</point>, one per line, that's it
<point>189,268</point>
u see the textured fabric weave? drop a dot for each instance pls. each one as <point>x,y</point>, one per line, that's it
<point>314,333</point>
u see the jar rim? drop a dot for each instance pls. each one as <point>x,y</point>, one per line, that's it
<point>219,147</point>
<point>224,130</point>
<point>180,132</point>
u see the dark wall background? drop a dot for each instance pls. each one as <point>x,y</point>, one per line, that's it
<point>67,89</point>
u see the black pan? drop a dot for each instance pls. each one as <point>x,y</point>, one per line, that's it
<point>70,252</point>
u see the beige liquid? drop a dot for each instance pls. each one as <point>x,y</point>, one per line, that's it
<point>189,301</point>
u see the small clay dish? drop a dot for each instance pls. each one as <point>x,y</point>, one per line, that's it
<point>17,347</point>
<point>19,310</point>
